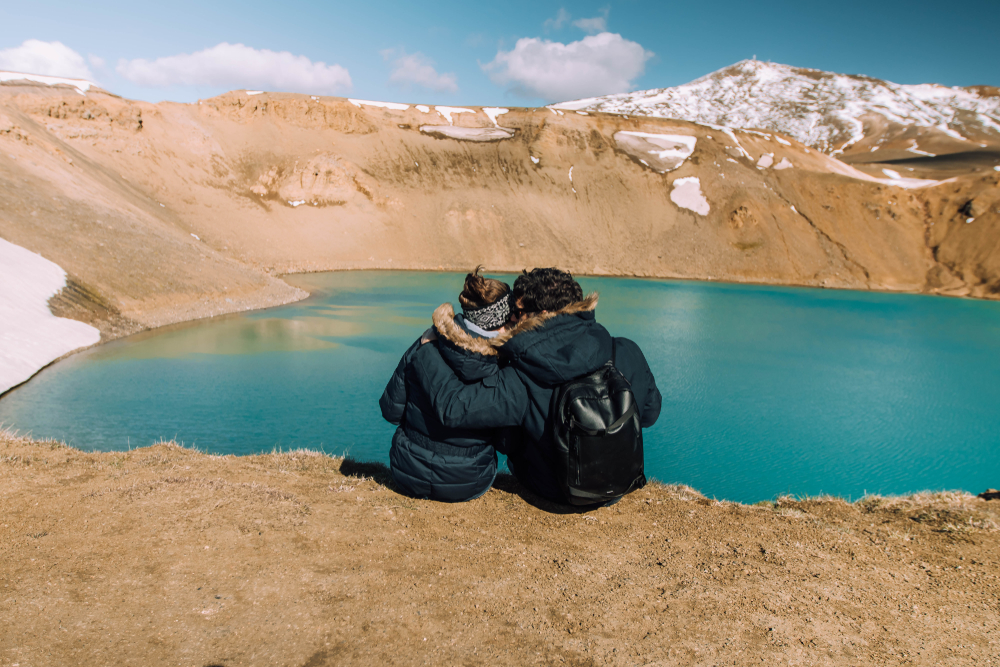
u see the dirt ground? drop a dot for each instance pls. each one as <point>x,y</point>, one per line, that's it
<point>164,555</point>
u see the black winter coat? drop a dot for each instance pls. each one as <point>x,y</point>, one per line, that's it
<point>540,353</point>
<point>428,459</point>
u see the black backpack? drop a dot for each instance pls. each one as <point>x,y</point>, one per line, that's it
<point>597,437</point>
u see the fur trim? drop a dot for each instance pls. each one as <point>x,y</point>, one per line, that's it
<point>447,327</point>
<point>538,319</point>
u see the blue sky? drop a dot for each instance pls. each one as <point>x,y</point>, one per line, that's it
<point>500,53</point>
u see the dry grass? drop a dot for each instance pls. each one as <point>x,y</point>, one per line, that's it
<point>957,512</point>
<point>201,547</point>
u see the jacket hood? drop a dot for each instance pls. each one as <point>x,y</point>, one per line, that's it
<point>471,356</point>
<point>555,347</point>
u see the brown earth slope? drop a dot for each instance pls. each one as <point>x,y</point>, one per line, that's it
<point>166,212</point>
<point>166,556</point>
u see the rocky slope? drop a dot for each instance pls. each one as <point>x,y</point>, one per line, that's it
<point>167,212</point>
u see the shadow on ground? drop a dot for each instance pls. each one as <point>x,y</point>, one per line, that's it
<point>380,474</point>
<point>373,470</point>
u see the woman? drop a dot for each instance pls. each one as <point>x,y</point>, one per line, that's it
<point>428,460</point>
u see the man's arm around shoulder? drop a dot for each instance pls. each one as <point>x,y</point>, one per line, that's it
<point>499,400</point>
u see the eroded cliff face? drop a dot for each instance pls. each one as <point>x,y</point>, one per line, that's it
<point>167,212</point>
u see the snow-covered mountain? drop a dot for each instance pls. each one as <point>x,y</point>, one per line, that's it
<point>827,111</point>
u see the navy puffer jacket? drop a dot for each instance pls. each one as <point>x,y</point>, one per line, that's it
<point>539,354</point>
<point>428,459</point>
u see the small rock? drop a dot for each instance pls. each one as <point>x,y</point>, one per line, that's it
<point>989,494</point>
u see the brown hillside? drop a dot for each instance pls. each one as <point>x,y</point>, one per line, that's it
<point>166,212</point>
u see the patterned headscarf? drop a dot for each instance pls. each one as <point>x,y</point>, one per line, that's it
<point>490,317</point>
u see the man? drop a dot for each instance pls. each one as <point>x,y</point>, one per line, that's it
<point>553,337</point>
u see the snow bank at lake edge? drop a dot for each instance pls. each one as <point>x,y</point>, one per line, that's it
<point>31,337</point>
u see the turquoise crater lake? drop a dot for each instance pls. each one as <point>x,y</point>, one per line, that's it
<point>766,390</point>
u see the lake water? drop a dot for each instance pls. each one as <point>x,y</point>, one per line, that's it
<point>766,390</point>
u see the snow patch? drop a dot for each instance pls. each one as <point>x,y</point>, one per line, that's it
<point>765,161</point>
<point>891,174</point>
<point>478,134</point>
<point>583,113</point>
<point>996,168</point>
<point>493,112</point>
<point>837,167</point>
<point>31,337</point>
<point>950,132</point>
<point>909,183</point>
<point>686,193</point>
<point>385,105</point>
<point>728,131</point>
<point>571,174</point>
<point>195,236</point>
<point>533,159</point>
<point>253,92</point>
<point>782,141</point>
<point>662,152</point>
<point>913,149</point>
<point>422,108</point>
<point>297,202</point>
<point>784,164</point>
<point>81,85</point>
<point>448,111</point>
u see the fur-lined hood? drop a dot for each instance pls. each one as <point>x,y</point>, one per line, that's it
<point>550,350</point>
<point>459,336</point>
<point>588,304</point>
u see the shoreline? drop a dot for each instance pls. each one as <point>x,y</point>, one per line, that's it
<point>222,312</point>
<point>680,489</point>
<point>636,276</point>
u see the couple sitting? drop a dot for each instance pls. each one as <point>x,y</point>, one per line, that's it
<point>484,380</point>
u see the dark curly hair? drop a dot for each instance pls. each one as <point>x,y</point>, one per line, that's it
<point>545,289</point>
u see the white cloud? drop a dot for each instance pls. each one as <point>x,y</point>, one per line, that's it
<point>596,65</point>
<point>238,66</point>
<point>96,62</point>
<point>51,58</point>
<point>592,26</point>
<point>416,68</point>
<point>561,19</point>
